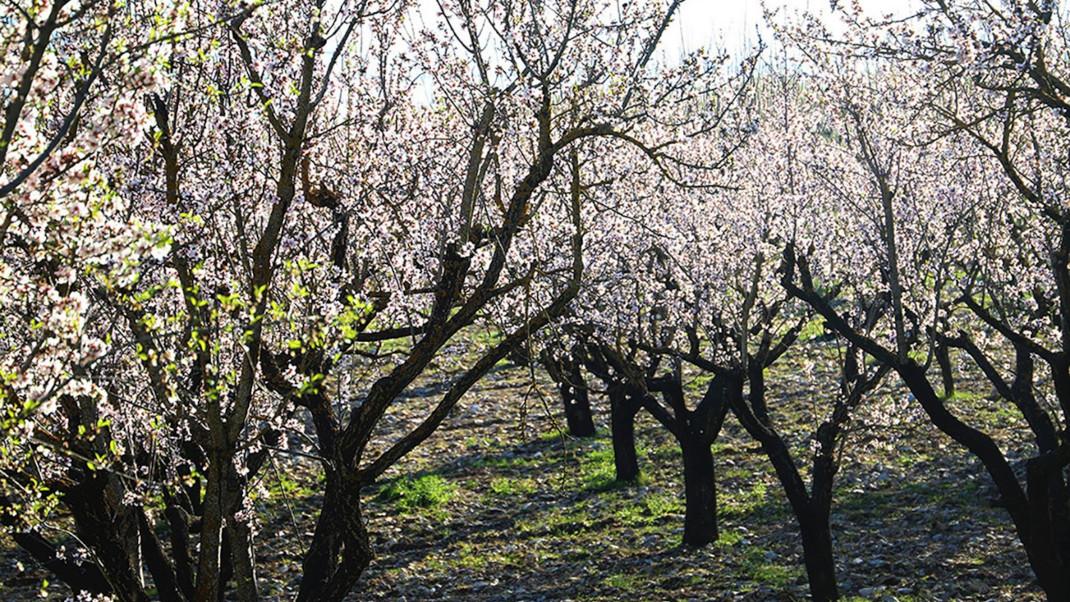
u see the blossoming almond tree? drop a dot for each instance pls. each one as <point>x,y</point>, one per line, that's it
<point>639,300</point>
<point>781,198</point>
<point>336,182</point>
<point>977,89</point>
<point>73,77</point>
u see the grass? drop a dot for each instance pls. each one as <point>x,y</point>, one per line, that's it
<point>508,487</point>
<point>598,472</point>
<point>284,486</point>
<point>767,572</point>
<point>727,539</point>
<point>742,503</point>
<point>622,581</point>
<point>651,509</point>
<point>659,505</point>
<point>424,492</point>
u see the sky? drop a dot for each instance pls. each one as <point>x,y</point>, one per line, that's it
<point>734,23</point>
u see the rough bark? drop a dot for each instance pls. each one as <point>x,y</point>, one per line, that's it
<point>578,404</point>
<point>340,549</point>
<point>622,410</point>
<point>700,492</point>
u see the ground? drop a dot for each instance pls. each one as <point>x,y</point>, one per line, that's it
<point>500,505</point>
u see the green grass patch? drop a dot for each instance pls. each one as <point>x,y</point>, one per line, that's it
<point>409,494</point>
<point>727,539</point>
<point>768,572</point>
<point>748,501</point>
<point>622,581</point>
<point>699,383</point>
<point>553,435</point>
<point>507,487</point>
<point>597,472</point>
<point>659,505</point>
<point>286,486</point>
<point>558,521</point>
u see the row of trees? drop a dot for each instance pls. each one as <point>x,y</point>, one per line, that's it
<point>238,231</point>
<point>223,219</point>
<point>903,188</point>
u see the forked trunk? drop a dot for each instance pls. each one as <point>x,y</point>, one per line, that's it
<point>340,549</point>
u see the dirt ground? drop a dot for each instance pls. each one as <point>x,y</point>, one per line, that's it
<point>499,505</point>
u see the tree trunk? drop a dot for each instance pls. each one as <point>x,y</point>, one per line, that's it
<point>340,549</point>
<point>817,555</point>
<point>244,561</point>
<point>943,359</point>
<point>622,411</point>
<point>208,586</point>
<point>811,510</point>
<point>180,548</point>
<point>1043,547</point>
<point>85,577</point>
<point>96,518</point>
<point>700,492</point>
<point>577,401</point>
<point>1031,519</point>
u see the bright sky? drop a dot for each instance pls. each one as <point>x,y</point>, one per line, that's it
<point>734,23</point>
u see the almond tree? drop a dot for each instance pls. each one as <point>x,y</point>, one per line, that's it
<point>73,77</point>
<point>639,301</point>
<point>960,254</point>
<point>336,182</point>
<point>564,368</point>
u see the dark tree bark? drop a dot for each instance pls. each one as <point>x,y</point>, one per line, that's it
<point>622,410</point>
<point>341,548</point>
<point>811,509</point>
<point>79,577</point>
<point>943,358</point>
<point>578,412</point>
<point>625,401</point>
<point>572,388</point>
<point>818,557</point>
<point>95,516</point>
<point>695,431</point>
<point>700,491</point>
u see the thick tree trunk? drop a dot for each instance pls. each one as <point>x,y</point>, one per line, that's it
<point>1031,517</point>
<point>208,585</point>
<point>818,557</point>
<point>243,560</point>
<point>577,401</point>
<point>700,492</point>
<point>1047,514</point>
<point>159,564</point>
<point>622,411</point>
<point>180,547</point>
<point>811,510</point>
<point>96,518</point>
<point>340,549</point>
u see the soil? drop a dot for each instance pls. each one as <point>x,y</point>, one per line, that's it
<point>499,504</point>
